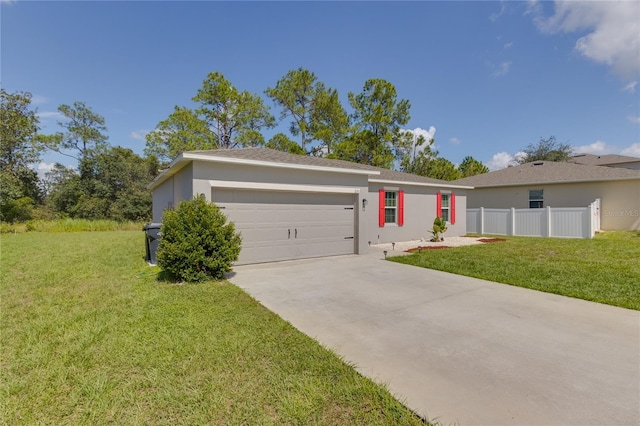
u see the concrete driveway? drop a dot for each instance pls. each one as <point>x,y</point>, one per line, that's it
<point>459,349</point>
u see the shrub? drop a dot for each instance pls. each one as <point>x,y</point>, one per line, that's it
<point>196,243</point>
<point>439,228</point>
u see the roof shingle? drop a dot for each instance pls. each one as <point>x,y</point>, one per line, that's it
<point>602,160</point>
<point>539,172</point>
<point>274,156</point>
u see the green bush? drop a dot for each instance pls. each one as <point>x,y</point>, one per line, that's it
<point>196,243</point>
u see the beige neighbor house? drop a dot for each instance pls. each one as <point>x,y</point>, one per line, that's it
<point>609,160</point>
<point>558,184</point>
<point>291,207</point>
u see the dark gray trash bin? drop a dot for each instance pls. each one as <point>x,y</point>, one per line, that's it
<point>152,239</point>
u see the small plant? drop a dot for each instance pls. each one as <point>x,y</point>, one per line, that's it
<point>196,242</point>
<point>439,228</point>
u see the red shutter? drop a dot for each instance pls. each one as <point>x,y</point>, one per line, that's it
<point>439,204</point>
<point>452,208</point>
<point>381,208</point>
<point>400,208</point>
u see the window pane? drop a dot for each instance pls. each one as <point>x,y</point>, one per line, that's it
<point>536,194</point>
<point>390,199</point>
<point>536,198</point>
<point>390,215</point>
<point>445,215</point>
<point>445,200</point>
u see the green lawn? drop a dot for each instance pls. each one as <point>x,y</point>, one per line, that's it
<point>605,269</point>
<point>90,336</point>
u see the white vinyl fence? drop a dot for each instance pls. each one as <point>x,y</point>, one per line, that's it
<point>565,222</point>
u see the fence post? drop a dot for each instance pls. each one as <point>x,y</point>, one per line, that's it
<point>589,221</point>
<point>512,228</point>
<point>548,212</point>
<point>481,227</point>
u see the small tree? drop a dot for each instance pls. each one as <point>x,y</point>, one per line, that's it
<point>546,150</point>
<point>439,228</point>
<point>197,243</point>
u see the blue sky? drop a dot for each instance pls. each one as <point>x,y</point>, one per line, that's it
<point>484,78</point>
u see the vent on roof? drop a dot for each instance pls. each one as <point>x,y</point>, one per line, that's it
<point>538,163</point>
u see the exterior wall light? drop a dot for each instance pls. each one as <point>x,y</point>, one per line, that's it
<point>364,204</point>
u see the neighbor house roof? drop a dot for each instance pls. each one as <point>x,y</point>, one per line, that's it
<point>274,158</point>
<point>603,160</point>
<point>548,172</point>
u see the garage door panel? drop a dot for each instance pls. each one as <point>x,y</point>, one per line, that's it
<point>319,224</point>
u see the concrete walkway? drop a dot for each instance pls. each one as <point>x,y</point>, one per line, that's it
<point>459,349</point>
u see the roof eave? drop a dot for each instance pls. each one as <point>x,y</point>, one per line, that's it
<point>234,160</point>
<point>187,157</point>
<point>427,184</point>
<point>501,185</point>
<point>178,163</point>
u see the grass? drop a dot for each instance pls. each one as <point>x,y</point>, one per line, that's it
<point>605,269</point>
<point>89,335</point>
<point>69,225</point>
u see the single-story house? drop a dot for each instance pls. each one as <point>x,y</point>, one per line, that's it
<point>609,160</point>
<point>559,184</point>
<point>290,206</point>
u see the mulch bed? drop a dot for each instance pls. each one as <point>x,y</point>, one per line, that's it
<point>491,240</point>
<point>482,240</point>
<point>415,249</point>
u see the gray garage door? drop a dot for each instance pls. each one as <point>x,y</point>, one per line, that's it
<point>289,225</point>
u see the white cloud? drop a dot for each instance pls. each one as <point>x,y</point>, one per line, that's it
<point>45,167</point>
<point>502,69</point>
<point>50,115</point>
<point>597,147</point>
<point>494,16</point>
<point>632,151</point>
<point>602,148</point>
<point>139,134</point>
<point>502,160</point>
<point>38,100</point>
<point>634,119</point>
<point>428,135</point>
<point>455,141</point>
<point>508,45</point>
<point>612,27</point>
<point>631,87</point>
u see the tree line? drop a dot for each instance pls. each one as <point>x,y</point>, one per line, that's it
<point>371,134</point>
<point>109,182</point>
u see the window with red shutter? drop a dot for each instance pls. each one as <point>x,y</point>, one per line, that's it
<point>381,208</point>
<point>400,208</point>
<point>453,208</point>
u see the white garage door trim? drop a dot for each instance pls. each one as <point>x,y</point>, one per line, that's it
<point>262,186</point>
<point>287,225</point>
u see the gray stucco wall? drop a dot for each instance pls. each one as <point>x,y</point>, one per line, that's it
<point>203,172</point>
<point>162,199</point>
<point>620,200</point>
<point>420,201</point>
<point>169,193</point>
<point>419,213</point>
